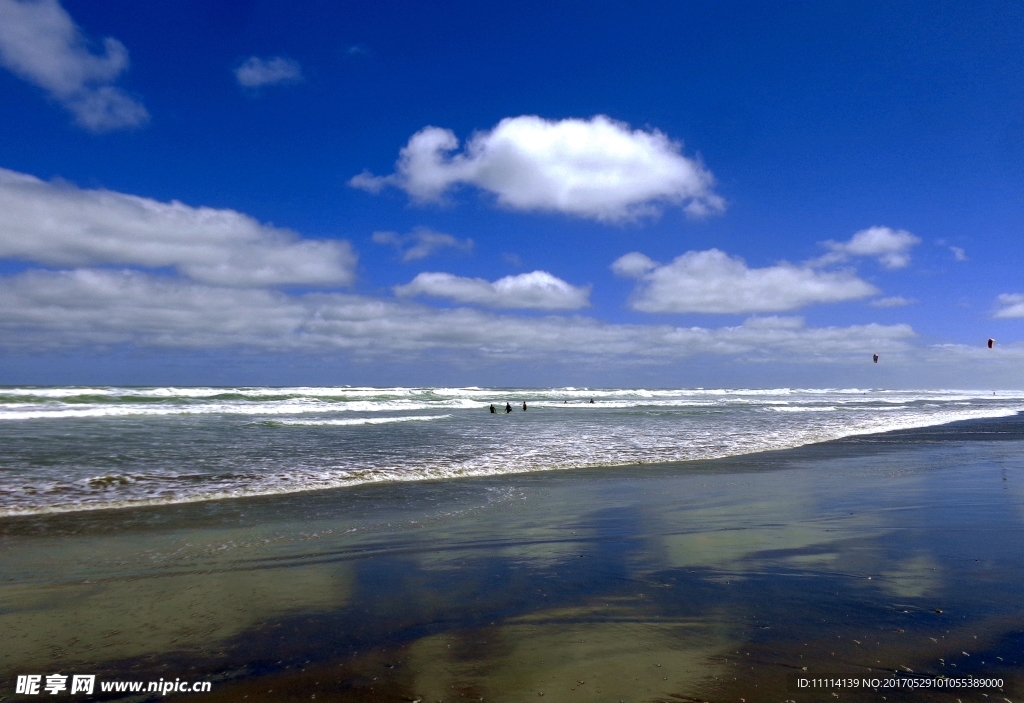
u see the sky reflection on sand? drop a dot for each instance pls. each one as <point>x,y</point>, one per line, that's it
<point>835,558</point>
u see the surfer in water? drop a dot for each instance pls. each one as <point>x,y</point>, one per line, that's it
<point>524,406</point>
<point>492,408</point>
<point>508,407</point>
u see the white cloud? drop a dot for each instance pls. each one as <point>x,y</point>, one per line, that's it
<point>959,254</point>
<point>713,282</point>
<point>894,301</point>
<point>421,243</point>
<point>1008,356</point>
<point>633,265</point>
<point>58,224</point>
<point>98,308</point>
<point>537,290</point>
<point>102,307</point>
<point>40,43</point>
<point>596,168</point>
<point>255,72</point>
<point>891,247</point>
<point>1013,305</point>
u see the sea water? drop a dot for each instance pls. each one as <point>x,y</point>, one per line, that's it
<point>75,448</point>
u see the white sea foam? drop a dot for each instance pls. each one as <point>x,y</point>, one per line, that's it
<point>23,411</point>
<point>257,445</point>
<point>353,421</point>
<point>803,408</point>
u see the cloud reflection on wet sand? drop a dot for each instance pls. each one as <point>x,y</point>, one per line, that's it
<point>857,557</point>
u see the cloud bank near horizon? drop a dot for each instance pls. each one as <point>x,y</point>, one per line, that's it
<point>53,310</point>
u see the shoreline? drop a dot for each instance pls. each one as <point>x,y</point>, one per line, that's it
<point>415,479</point>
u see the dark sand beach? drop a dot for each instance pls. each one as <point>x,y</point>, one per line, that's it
<point>709,580</point>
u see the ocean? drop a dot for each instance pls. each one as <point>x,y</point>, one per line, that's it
<point>71,449</point>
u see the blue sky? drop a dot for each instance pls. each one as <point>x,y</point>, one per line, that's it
<point>695,194</point>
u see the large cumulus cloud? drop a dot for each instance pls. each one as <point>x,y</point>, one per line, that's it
<point>597,168</point>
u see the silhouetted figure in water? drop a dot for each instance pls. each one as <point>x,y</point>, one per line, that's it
<point>492,408</point>
<point>508,407</point>
<point>591,401</point>
<point>524,406</point>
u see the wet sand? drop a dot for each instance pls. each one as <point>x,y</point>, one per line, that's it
<point>712,580</point>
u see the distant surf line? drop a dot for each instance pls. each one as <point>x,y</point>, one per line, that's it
<point>357,421</point>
